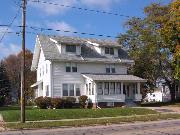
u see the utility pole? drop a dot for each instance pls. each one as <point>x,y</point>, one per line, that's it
<point>23,62</point>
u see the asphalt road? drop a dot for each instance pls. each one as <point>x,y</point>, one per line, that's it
<point>169,127</point>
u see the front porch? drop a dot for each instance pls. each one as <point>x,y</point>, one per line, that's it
<point>117,91</point>
<point>113,89</point>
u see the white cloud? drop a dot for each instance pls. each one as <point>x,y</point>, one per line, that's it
<point>103,4</point>
<point>8,49</point>
<point>53,9</point>
<point>61,26</point>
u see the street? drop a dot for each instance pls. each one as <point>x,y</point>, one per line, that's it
<point>168,127</point>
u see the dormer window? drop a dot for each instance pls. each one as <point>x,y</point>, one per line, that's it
<point>71,48</point>
<point>109,50</point>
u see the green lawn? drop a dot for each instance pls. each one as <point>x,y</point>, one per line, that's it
<point>77,123</point>
<point>12,114</point>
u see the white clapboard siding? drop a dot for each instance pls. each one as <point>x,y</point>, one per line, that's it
<point>60,75</point>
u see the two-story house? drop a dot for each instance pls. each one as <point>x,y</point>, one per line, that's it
<point>72,66</point>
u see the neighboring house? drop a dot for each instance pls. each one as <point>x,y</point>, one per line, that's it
<point>71,66</point>
<point>161,92</point>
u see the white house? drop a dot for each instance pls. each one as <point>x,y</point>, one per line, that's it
<point>161,92</point>
<point>72,66</point>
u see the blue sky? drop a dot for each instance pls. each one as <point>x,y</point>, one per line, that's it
<point>56,17</point>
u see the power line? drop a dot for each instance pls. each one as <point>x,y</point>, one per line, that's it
<point>10,24</point>
<point>64,31</point>
<point>79,8</point>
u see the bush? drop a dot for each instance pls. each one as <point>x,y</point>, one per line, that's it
<point>48,102</point>
<point>90,104</point>
<point>56,103</point>
<point>69,102</point>
<point>41,102</point>
<point>2,100</point>
<point>83,100</point>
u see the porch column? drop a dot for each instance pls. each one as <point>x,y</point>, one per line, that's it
<point>121,87</point>
<point>138,88</point>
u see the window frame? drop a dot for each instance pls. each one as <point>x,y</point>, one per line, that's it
<point>109,50</point>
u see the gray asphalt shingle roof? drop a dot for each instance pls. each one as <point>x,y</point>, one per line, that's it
<point>51,51</point>
<point>114,77</point>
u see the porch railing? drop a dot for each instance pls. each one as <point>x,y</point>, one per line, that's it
<point>111,98</point>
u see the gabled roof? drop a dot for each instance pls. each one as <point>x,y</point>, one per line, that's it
<point>113,77</point>
<point>88,54</point>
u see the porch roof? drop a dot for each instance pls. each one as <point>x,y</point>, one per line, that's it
<point>113,77</point>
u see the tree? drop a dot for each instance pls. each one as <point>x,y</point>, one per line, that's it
<point>13,68</point>
<point>149,47</point>
<point>4,85</point>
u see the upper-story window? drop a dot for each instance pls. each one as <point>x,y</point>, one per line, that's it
<point>71,48</point>
<point>110,68</point>
<point>109,50</point>
<point>71,67</point>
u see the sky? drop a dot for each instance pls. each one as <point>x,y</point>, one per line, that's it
<point>44,15</point>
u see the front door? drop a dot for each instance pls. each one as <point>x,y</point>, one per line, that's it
<point>128,91</point>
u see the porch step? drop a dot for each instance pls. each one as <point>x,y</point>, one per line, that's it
<point>130,103</point>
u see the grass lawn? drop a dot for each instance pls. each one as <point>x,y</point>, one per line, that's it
<point>105,121</point>
<point>12,114</point>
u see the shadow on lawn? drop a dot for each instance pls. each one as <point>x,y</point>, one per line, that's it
<point>5,108</point>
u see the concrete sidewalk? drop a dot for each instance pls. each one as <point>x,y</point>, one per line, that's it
<point>83,119</point>
<point>2,127</point>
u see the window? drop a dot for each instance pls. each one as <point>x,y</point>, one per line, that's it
<point>110,68</point>
<point>78,90</point>
<point>47,90</point>
<point>86,88</point>
<point>68,67</point>
<point>118,88</point>
<point>65,89</point>
<point>106,50</point>
<point>106,88</point>
<point>71,67</point>
<point>100,90</point>
<point>90,89</point>
<point>112,88</point>
<point>71,48</point>
<point>71,89</point>
<point>74,67</point>
<point>112,51</point>
<point>113,68</point>
<point>109,50</point>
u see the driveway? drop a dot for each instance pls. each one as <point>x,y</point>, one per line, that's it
<point>168,127</point>
<point>164,109</point>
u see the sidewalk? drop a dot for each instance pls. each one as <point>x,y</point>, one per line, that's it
<point>2,128</point>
